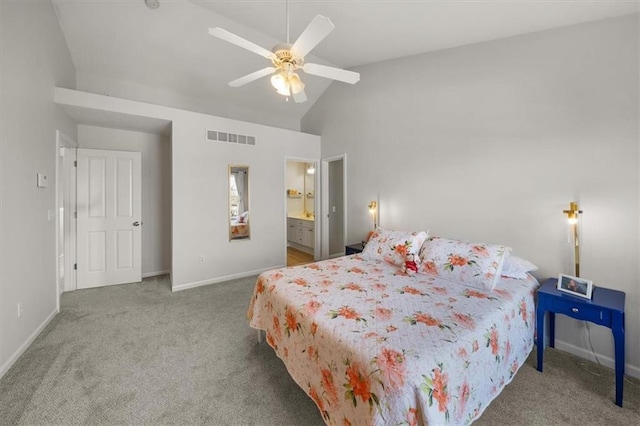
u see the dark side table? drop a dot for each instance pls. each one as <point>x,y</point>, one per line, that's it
<point>606,307</point>
<point>353,248</point>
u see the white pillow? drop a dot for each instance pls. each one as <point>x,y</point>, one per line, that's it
<point>517,267</point>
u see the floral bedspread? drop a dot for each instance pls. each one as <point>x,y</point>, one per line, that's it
<point>372,346</point>
<point>239,230</point>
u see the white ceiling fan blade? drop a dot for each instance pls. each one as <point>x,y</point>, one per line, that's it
<point>239,41</point>
<point>332,73</point>
<point>253,76</point>
<point>316,31</point>
<point>299,97</point>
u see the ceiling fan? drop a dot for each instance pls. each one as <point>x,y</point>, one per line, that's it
<point>288,58</point>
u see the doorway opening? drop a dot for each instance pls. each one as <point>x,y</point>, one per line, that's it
<point>154,223</point>
<point>300,193</point>
<point>334,202</point>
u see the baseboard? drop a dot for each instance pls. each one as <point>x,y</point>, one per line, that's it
<point>155,274</point>
<point>17,354</point>
<point>187,286</point>
<point>630,370</point>
<point>334,255</point>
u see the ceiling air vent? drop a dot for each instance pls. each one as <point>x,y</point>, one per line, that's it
<point>216,135</point>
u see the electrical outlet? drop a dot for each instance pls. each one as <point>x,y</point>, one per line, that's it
<point>20,309</point>
<point>201,259</point>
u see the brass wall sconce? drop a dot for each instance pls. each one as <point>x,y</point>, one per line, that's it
<point>373,207</point>
<point>572,217</point>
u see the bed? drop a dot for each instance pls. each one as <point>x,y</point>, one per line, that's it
<point>239,226</point>
<point>239,230</point>
<point>371,344</point>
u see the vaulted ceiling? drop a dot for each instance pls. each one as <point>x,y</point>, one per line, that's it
<point>169,48</point>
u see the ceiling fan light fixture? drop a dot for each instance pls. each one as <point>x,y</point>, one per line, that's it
<point>279,81</point>
<point>284,91</point>
<point>296,84</point>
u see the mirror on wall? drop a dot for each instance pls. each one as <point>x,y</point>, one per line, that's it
<point>239,228</point>
<point>309,188</point>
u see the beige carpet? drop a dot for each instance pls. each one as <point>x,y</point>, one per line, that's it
<point>139,354</point>
<point>571,391</point>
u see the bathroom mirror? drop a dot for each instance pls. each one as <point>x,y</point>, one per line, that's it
<point>309,188</point>
<point>239,227</point>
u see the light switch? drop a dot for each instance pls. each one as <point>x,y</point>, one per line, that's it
<point>42,180</point>
<point>333,209</point>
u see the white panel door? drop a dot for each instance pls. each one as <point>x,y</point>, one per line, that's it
<point>109,206</point>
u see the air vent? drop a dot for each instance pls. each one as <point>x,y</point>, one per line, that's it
<point>216,135</point>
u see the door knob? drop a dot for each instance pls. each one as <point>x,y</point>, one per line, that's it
<point>136,223</point>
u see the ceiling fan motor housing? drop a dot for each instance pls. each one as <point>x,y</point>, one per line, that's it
<point>283,55</point>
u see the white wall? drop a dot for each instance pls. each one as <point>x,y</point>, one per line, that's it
<point>200,197</point>
<point>492,141</point>
<point>156,188</point>
<point>34,60</point>
<point>200,184</point>
<point>296,181</point>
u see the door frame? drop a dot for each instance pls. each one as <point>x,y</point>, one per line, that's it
<point>325,201</point>
<point>65,186</point>
<point>316,200</point>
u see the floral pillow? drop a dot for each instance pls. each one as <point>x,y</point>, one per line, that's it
<point>392,246</point>
<point>474,264</point>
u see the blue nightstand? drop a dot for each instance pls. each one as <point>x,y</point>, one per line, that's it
<point>606,308</point>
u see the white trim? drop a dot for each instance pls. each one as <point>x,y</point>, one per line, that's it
<point>18,353</point>
<point>70,206</point>
<point>63,176</point>
<point>187,286</point>
<point>325,203</point>
<point>324,210</point>
<point>629,369</point>
<point>155,274</point>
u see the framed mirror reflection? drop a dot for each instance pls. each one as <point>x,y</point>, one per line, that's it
<point>239,222</point>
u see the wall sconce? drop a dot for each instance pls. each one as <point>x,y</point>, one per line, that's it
<point>373,206</point>
<point>311,169</point>
<point>572,217</point>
